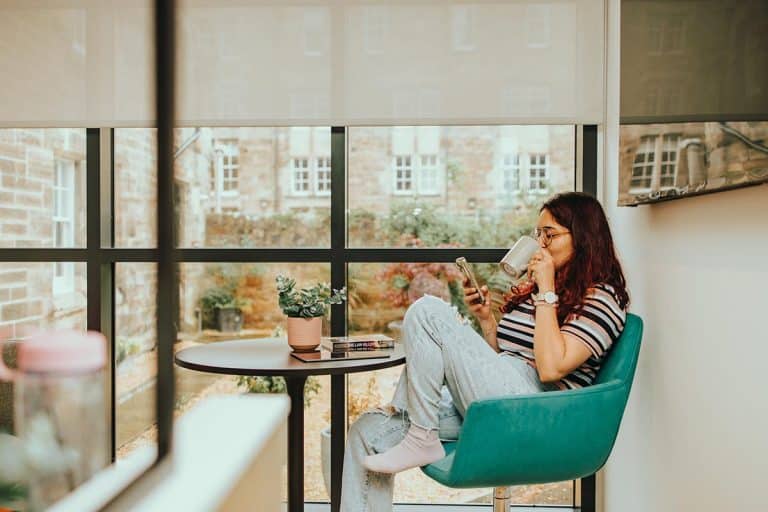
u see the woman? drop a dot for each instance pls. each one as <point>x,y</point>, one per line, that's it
<point>554,333</point>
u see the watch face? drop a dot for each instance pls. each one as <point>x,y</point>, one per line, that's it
<point>550,297</point>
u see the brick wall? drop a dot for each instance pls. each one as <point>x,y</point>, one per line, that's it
<point>27,175</point>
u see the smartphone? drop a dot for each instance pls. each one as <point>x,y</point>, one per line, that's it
<point>464,267</point>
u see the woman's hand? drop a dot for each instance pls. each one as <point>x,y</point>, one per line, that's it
<point>541,270</point>
<point>471,298</point>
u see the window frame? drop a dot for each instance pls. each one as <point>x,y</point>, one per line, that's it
<point>295,171</point>
<point>512,168</point>
<point>325,170</point>
<point>670,147</point>
<point>398,168</point>
<point>646,147</point>
<point>101,256</point>
<point>64,271</point>
<point>541,170</point>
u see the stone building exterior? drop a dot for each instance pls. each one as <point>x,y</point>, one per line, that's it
<point>246,173</point>
<point>42,198</point>
<point>668,160</point>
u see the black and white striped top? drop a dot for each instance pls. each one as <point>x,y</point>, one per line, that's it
<point>598,326</point>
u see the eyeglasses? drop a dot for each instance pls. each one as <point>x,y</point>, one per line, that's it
<point>547,235</point>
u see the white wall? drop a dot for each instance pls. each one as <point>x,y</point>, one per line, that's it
<point>695,433</point>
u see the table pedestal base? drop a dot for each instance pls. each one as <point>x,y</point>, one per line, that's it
<point>295,386</point>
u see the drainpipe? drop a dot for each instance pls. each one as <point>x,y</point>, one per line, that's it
<point>192,138</point>
<point>695,153</point>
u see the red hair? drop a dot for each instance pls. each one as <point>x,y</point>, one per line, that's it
<point>593,261</point>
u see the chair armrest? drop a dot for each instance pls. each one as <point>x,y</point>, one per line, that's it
<point>536,438</point>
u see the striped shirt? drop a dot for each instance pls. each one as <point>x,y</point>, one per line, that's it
<point>597,326</point>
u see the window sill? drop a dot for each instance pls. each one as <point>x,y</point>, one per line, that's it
<point>242,465</point>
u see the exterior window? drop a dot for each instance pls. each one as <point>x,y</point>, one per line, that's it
<point>429,180</point>
<point>300,175</point>
<point>323,175</point>
<point>230,168</point>
<point>642,167</point>
<point>64,223</point>
<point>669,160</point>
<point>539,182</point>
<point>403,174</point>
<point>225,172</point>
<point>510,168</point>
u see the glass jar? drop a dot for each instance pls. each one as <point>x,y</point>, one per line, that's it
<point>59,411</point>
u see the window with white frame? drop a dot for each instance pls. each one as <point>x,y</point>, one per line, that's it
<point>323,175</point>
<point>64,223</point>
<point>510,170</point>
<point>403,174</point>
<point>668,160</point>
<point>230,168</point>
<point>429,179</point>
<point>225,171</point>
<point>538,173</point>
<point>300,175</point>
<point>642,167</point>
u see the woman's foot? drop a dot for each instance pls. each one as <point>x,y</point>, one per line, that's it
<point>419,448</point>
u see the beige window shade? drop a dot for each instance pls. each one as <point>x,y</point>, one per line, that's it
<point>88,63</point>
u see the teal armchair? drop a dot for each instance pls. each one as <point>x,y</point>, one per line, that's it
<point>544,437</point>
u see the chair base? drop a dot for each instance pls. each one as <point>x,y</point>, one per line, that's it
<point>501,499</point>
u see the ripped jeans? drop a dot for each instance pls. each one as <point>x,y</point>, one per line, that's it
<point>448,366</point>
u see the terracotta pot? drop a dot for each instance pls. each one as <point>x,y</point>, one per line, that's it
<point>304,333</point>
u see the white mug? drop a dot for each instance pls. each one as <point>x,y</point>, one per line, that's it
<point>515,262</point>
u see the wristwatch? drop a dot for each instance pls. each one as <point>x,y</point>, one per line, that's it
<point>550,298</point>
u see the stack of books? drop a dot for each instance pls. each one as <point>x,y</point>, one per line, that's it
<point>357,343</point>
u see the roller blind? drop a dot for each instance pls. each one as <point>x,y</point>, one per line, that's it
<point>699,59</point>
<point>429,62</point>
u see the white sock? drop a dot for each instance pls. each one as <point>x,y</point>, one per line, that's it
<point>419,448</point>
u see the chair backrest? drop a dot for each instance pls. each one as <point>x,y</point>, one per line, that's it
<point>621,361</point>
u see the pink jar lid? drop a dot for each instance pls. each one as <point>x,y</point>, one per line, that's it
<point>62,351</point>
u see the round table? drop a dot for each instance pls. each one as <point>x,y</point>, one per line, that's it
<point>272,357</point>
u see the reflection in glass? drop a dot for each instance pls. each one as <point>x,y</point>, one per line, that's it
<point>674,160</point>
<point>465,186</point>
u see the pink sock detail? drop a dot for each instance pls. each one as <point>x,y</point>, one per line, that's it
<point>419,448</point>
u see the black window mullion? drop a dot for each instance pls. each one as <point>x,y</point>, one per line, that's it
<point>100,273</point>
<point>589,185</point>
<point>12,254</point>
<point>338,258</point>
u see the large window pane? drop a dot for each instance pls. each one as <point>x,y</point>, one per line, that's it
<point>236,187</point>
<point>379,295</point>
<point>42,187</point>
<point>135,186</point>
<point>30,298</point>
<point>135,355</point>
<point>207,292</point>
<point>471,186</point>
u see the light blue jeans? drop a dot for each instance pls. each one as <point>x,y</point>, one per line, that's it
<point>448,366</point>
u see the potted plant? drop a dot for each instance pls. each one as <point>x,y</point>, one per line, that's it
<point>305,309</point>
<point>221,309</point>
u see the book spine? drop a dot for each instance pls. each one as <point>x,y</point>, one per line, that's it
<point>358,345</point>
